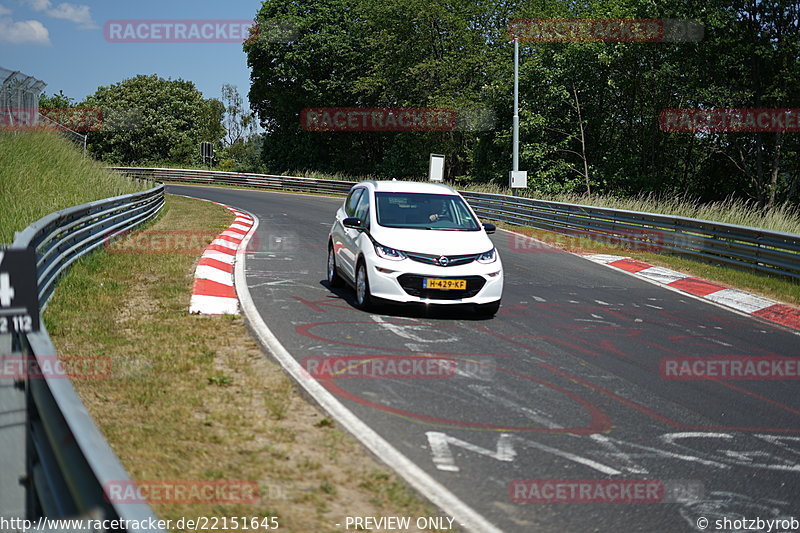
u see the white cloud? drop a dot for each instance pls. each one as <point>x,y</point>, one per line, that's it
<point>23,32</point>
<point>79,14</point>
<point>4,10</point>
<point>39,5</point>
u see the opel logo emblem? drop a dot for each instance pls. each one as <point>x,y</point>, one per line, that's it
<point>443,261</point>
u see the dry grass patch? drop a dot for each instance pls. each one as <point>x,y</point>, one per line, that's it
<point>193,397</point>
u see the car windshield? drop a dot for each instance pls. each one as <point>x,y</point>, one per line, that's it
<point>424,211</point>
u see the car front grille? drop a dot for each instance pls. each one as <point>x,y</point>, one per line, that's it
<point>450,260</point>
<point>412,284</point>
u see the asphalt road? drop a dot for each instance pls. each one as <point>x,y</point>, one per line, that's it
<point>565,383</point>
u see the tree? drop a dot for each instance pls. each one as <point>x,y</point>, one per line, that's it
<point>242,156</point>
<point>589,111</point>
<point>239,122</point>
<point>370,53</point>
<point>211,128</point>
<point>148,118</point>
<point>56,101</point>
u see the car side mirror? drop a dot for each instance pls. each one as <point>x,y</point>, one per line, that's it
<point>489,227</point>
<point>353,223</point>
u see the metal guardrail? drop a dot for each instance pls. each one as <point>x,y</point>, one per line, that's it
<point>256,181</point>
<point>737,246</point>
<point>740,246</point>
<point>68,460</point>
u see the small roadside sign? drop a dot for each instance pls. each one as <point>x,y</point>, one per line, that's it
<point>518,179</point>
<point>207,150</point>
<point>436,167</point>
<point>19,293</point>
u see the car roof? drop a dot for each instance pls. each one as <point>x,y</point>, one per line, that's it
<point>408,186</point>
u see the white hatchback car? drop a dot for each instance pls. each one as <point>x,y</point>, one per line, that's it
<point>413,242</point>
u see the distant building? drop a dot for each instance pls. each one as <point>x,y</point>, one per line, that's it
<point>19,98</point>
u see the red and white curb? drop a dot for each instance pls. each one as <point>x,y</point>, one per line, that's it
<point>745,302</point>
<point>213,292</point>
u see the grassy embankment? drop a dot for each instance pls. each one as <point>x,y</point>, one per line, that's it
<point>42,172</point>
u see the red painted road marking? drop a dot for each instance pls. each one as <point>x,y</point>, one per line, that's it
<point>698,287</point>
<point>222,249</point>
<point>221,265</point>
<point>782,314</point>
<point>206,287</point>
<point>630,265</point>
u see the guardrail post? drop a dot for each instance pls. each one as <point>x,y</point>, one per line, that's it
<point>758,248</point>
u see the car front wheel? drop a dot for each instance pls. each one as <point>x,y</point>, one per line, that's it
<point>334,279</point>
<point>363,297</point>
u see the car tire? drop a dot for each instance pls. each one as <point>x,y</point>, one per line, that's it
<point>364,300</point>
<point>488,310</point>
<point>334,279</point>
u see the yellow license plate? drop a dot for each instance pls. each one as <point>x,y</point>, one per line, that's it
<point>445,284</point>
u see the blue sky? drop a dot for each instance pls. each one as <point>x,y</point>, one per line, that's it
<point>63,44</point>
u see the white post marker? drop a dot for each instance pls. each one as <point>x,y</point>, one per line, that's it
<point>436,168</point>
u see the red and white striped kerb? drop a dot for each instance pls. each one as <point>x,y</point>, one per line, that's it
<point>746,302</point>
<point>213,292</point>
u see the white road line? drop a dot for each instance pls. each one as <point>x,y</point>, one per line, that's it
<point>442,457</point>
<point>600,467</point>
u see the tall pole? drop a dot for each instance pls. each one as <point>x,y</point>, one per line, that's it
<point>515,142</point>
<point>515,162</point>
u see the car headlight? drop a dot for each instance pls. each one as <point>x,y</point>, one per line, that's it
<point>487,257</point>
<point>389,253</point>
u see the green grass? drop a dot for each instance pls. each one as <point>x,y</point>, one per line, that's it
<point>42,172</point>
